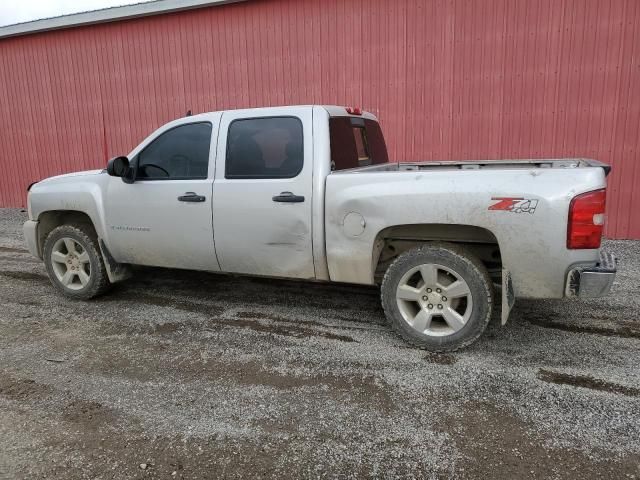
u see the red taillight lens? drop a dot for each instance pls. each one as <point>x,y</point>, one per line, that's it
<point>354,110</point>
<point>586,220</point>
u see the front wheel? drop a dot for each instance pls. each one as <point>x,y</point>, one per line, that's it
<point>74,263</point>
<point>437,297</point>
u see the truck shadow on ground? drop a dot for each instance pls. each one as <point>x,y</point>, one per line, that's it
<point>591,318</point>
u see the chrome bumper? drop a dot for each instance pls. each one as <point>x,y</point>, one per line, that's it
<point>30,229</point>
<point>595,281</point>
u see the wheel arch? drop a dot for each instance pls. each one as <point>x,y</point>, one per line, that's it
<point>50,219</point>
<point>393,240</point>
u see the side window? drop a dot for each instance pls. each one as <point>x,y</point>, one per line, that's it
<point>179,153</point>
<point>269,147</point>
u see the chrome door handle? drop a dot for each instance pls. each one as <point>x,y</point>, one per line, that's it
<point>191,197</point>
<point>288,197</point>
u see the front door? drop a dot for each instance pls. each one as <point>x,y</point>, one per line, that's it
<point>262,193</point>
<point>164,217</point>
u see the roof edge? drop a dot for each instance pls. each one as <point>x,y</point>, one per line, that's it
<point>105,15</point>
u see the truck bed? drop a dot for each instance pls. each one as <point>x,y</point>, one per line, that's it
<point>362,202</point>
<point>485,165</point>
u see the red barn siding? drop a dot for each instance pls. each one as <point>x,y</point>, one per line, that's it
<point>449,79</point>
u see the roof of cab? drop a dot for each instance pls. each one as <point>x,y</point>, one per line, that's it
<point>333,110</point>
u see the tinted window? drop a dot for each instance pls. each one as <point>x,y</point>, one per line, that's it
<point>356,142</point>
<point>180,153</point>
<point>264,148</point>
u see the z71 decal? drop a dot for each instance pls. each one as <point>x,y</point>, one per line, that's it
<point>514,204</point>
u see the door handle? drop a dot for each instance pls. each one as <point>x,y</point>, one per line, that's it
<point>288,197</point>
<point>191,197</point>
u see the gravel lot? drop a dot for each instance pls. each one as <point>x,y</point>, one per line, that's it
<point>177,374</point>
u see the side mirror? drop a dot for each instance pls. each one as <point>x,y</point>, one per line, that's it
<point>118,166</point>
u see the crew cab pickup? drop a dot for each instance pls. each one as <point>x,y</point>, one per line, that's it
<point>308,192</point>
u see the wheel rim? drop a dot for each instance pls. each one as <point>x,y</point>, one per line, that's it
<point>70,263</point>
<point>434,300</point>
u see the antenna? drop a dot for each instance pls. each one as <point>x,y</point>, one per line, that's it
<point>188,113</point>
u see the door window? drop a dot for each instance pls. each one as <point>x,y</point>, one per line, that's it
<point>177,154</point>
<point>269,147</point>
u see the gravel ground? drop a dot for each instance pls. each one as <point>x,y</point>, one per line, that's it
<point>177,374</point>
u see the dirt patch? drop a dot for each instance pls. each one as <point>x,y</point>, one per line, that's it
<point>26,303</point>
<point>282,457</point>
<point>378,319</point>
<point>20,259</point>
<point>272,326</point>
<point>109,361</point>
<point>497,444</point>
<point>21,388</point>
<point>586,381</point>
<point>25,276</point>
<point>279,318</point>
<point>628,330</point>
<point>166,328</point>
<point>292,328</point>
<point>160,301</point>
<point>275,318</point>
<point>114,327</point>
<point>13,250</point>
<point>366,389</point>
<point>87,413</point>
<point>440,358</point>
<point>284,330</point>
<point>162,361</point>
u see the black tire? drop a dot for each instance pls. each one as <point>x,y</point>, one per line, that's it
<point>98,282</point>
<point>468,268</point>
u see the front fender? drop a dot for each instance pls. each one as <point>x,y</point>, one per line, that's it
<point>83,194</point>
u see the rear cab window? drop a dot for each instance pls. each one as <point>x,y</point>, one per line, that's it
<point>356,142</point>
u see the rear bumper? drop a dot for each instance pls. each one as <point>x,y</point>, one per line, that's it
<point>30,229</point>
<point>594,281</point>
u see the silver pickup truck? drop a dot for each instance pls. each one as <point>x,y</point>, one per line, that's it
<point>307,192</point>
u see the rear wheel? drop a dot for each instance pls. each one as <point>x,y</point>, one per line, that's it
<point>437,297</point>
<point>74,263</point>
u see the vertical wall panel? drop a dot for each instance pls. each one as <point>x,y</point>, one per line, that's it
<point>449,79</point>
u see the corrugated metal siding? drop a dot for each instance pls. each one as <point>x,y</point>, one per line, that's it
<point>449,79</point>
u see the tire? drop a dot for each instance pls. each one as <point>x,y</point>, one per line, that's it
<point>77,272</point>
<point>420,311</point>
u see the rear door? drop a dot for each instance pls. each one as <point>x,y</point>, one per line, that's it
<point>262,192</point>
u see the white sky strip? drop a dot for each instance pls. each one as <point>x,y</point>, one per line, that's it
<point>12,12</point>
<point>110,14</point>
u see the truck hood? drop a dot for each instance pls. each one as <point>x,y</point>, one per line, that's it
<point>73,174</point>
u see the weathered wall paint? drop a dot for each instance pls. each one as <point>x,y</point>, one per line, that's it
<point>449,79</point>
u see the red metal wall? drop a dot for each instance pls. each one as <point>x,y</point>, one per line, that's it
<point>449,79</point>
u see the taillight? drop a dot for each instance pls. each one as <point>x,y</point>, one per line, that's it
<point>586,220</point>
<point>354,110</point>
